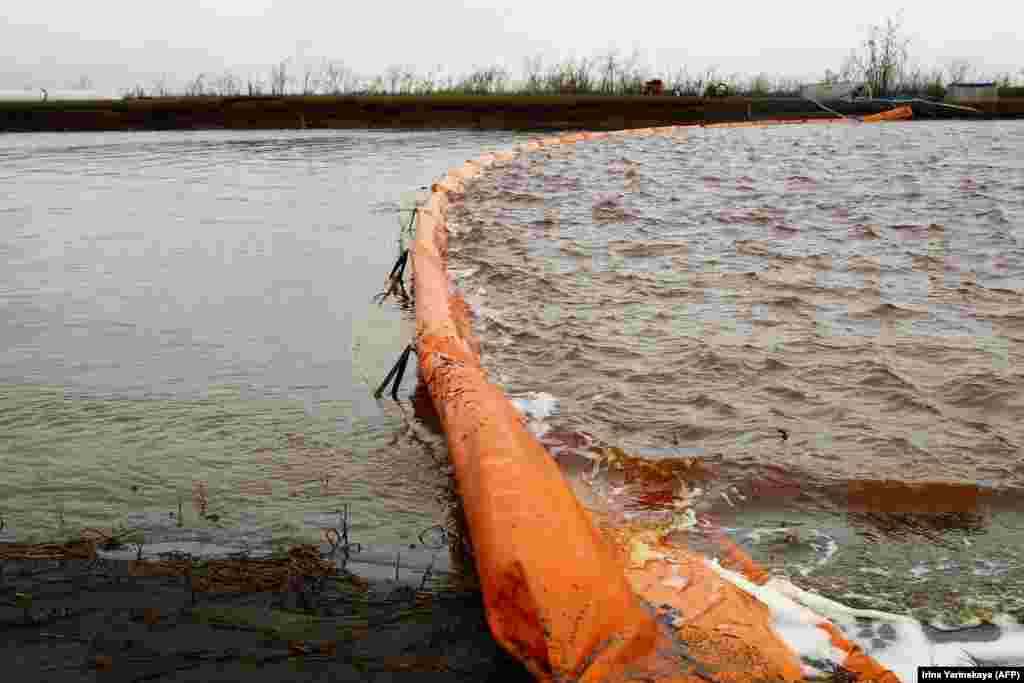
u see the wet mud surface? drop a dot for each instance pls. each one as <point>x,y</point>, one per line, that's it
<point>99,619</point>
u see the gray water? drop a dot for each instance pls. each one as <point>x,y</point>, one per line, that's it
<point>186,317</point>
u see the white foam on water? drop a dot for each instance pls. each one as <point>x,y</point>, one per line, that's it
<point>795,624</point>
<point>985,567</point>
<point>898,642</point>
<point>920,569</point>
<point>536,407</point>
<point>540,405</point>
<point>460,275</point>
<point>825,546</point>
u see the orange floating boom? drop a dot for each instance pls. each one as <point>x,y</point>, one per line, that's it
<point>573,599</point>
<point>898,114</point>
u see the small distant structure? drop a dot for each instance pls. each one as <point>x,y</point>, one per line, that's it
<point>961,92</point>
<point>654,87</point>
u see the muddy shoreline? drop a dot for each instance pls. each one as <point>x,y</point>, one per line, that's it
<point>493,112</point>
<point>73,617</point>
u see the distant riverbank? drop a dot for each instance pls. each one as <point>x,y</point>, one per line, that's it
<point>496,112</point>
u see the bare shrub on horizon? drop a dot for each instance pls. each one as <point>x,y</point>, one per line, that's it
<point>228,84</point>
<point>882,61</point>
<point>310,82</point>
<point>279,78</point>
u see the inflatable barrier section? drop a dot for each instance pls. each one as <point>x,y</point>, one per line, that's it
<point>898,114</point>
<point>576,598</point>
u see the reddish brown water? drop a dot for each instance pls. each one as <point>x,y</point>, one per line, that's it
<point>798,321</point>
<point>845,303</point>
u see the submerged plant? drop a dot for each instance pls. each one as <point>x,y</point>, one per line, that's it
<point>200,498</point>
<point>60,517</point>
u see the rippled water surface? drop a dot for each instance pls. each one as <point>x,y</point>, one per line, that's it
<point>187,316</point>
<point>778,320</point>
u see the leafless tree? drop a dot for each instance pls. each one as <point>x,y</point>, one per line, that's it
<point>708,79</point>
<point>609,70</point>
<point>882,59</point>
<point>133,93</point>
<point>682,84</point>
<point>578,75</point>
<point>960,70</point>
<point>408,81</point>
<point>279,78</point>
<point>631,75</point>
<point>917,81</point>
<point>356,83</point>
<point>333,77</point>
<point>393,77</point>
<point>934,84</point>
<point>310,83</point>
<point>484,81</point>
<point>197,86</point>
<point>228,84</point>
<point>850,70</point>
<point>533,68</point>
<point>787,86</point>
<point>254,87</point>
<point>160,88</point>
<point>428,83</point>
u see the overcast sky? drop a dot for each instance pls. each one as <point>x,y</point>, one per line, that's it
<point>121,43</point>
